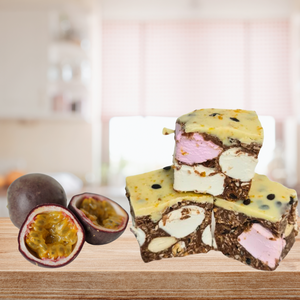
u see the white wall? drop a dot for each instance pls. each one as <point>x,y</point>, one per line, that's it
<point>48,146</point>
<point>195,9</point>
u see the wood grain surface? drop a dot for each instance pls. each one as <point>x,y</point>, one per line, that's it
<point>116,271</point>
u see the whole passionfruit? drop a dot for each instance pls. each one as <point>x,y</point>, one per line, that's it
<point>31,190</point>
<point>103,219</point>
<point>51,236</point>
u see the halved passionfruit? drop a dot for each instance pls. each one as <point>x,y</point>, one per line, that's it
<point>102,218</point>
<point>51,236</point>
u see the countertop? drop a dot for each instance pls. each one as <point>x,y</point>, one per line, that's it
<point>116,271</point>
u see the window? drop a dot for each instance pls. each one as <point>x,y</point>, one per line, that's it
<point>137,145</point>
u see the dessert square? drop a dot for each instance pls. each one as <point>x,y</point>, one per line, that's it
<point>216,152</point>
<point>167,223</point>
<point>260,230</point>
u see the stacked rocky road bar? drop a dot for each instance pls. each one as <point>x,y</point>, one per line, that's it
<point>211,198</point>
<point>216,152</point>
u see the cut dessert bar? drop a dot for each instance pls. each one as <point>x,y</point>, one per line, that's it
<point>216,152</point>
<point>260,230</point>
<point>167,223</point>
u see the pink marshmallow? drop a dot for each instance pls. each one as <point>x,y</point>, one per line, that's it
<point>261,244</point>
<point>194,149</point>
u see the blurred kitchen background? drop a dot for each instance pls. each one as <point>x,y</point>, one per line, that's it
<point>86,86</point>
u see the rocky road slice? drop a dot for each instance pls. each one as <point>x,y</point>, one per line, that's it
<point>258,231</point>
<point>216,152</point>
<point>167,223</point>
<point>261,230</point>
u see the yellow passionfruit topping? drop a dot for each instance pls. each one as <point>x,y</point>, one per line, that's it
<point>51,235</point>
<point>101,213</point>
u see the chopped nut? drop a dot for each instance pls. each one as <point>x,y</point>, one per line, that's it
<point>179,248</point>
<point>161,243</point>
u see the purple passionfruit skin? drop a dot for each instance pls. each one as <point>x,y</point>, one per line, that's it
<point>48,263</point>
<point>31,190</point>
<point>98,235</point>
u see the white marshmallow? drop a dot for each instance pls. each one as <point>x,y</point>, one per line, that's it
<point>197,179</point>
<point>182,222</point>
<point>139,234</point>
<point>213,227</point>
<point>238,164</point>
<point>214,244</point>
<point>207,236</point>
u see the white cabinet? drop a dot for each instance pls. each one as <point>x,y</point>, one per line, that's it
<point>69,64</point>
<point>23,64</point>
<point>44,65</point>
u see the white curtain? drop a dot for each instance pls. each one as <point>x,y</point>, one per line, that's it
<point>171,68</point>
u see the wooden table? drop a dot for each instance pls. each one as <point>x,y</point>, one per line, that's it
<point>116,271</point>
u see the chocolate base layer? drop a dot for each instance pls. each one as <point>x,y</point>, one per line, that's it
<point>229,225</point>
<point>235,189</point>
<point>293,215</point>
<point>233,219</point>
<point>290,240</point>
<point>192,242</point>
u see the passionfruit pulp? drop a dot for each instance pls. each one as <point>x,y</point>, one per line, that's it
<point>51,236</point>
<point>102,218</point>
